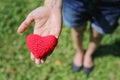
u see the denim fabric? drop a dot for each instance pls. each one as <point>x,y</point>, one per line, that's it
<point>103,18</point>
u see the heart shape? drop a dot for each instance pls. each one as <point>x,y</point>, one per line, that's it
<point>41,46</point>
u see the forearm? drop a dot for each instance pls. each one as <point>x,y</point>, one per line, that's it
<point>53,3</point>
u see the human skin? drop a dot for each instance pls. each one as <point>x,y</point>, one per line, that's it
<point>48,21</point>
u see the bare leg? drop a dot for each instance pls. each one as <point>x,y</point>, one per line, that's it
<point>77,36</point>
<point>95,39</point>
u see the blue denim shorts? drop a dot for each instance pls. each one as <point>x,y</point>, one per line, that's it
<point>103,15</point>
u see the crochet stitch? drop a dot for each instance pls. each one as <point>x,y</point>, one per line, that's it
<point>41,46</point>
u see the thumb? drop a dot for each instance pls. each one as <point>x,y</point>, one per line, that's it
<point>25,24</point>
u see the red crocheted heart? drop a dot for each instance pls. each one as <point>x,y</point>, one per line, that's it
<point>41,46</point>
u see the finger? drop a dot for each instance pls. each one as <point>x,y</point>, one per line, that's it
<point>32,56</point>
<point>43,59</point>
<point>37,61</point>
<point>25,24</point>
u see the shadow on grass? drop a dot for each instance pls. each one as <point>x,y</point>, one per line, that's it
<point>105,50</point>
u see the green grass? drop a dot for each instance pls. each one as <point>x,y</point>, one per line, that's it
<point>15,63</point>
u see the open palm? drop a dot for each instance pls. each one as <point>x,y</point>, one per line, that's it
<point>47,22</point>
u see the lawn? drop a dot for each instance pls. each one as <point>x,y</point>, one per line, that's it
<point>15,63</point>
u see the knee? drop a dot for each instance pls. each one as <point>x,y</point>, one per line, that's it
<point>79,30</point>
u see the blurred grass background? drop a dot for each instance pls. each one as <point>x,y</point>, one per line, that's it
<point>15,63</point>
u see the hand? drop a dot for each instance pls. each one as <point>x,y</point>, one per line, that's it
<point>47,20</point>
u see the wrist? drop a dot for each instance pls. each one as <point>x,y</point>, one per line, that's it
<point>53,3</point>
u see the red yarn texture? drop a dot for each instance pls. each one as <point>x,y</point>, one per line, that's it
<point>41,46</point>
